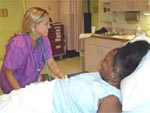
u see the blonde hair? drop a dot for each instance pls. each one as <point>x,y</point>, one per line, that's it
<point>33,15</point>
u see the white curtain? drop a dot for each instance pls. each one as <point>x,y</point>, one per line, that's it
<point>76,22</point>
<point>71,14</point>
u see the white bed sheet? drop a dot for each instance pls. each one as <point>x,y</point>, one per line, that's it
<point>35,98</point>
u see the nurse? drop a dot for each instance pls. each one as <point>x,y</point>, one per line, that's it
<point>27,53</point>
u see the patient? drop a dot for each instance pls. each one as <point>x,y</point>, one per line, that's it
<point>95,92</point>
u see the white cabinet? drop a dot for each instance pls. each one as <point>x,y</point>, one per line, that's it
<point>128,5</point>
<point>96,49</point>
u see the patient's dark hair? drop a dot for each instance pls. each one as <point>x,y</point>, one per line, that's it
<point>129,56</point>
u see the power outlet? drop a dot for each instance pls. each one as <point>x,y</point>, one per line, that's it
<point>3,12</point>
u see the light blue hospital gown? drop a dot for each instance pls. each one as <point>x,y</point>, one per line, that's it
<point>80,94</point>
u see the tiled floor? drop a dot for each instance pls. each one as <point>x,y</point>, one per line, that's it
<point>70,65</point>
<point>67,65</point>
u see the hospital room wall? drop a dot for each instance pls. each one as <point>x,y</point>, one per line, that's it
<point>10,21</point>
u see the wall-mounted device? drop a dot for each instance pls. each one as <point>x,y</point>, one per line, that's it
<point>106,12</point>
<point>132,16</point>
<point>4,12</point>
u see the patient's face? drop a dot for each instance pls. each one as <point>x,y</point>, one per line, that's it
<point>106,67</point>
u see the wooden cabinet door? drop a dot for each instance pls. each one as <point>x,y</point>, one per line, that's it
<point>96,49</point>
<point>119,5</point>
<point>106,1</point>
<point>94,55</point>
<point>128,5</point>
<point>139,5</point>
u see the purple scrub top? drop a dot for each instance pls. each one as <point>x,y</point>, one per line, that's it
<point>23,60</point>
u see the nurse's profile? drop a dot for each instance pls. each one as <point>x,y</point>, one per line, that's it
<point>28,53</point>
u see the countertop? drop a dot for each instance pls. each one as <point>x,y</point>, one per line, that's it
<point>115,37</point>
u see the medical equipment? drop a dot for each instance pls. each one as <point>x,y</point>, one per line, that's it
<point>40,42</point>
<point>35,57</point>
<point>36,61</point>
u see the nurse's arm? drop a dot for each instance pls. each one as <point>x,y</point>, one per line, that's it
<point>54,67</point>
<point>109,104</point>
<point>11,79</point>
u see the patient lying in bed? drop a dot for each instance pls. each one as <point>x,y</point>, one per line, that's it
<point>95,92</point>
<point>79,94</point>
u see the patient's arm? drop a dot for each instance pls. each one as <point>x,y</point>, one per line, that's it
<point>109,104</point>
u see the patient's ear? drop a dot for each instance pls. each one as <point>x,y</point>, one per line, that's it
<point>118,72</point>
<point>116,68</point>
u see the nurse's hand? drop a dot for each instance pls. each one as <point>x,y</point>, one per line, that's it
<point>60,75</point>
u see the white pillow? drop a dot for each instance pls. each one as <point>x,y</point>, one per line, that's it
<point>141,37</point>
<point>142,108</point>
<point>135,88</point>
